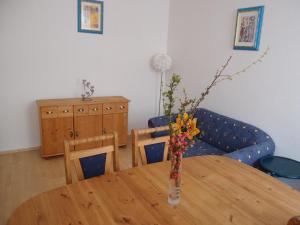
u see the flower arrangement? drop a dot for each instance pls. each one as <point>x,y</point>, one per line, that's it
<point>182,137</point>
<point>183,125</point>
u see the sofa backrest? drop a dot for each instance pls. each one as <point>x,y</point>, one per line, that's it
<point>226,133</point>
<point>159,121</point>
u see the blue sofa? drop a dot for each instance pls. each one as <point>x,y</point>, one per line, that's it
<point>221,135</point>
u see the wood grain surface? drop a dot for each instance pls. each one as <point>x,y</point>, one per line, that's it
<point>78,101</point>
<point>294,221</point>
<point>215,190</point>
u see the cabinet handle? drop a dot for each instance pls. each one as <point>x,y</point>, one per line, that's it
<point>108,108</point>
<point>65,111</point>
<point>122,107</point>
<point>80,110</point>
<point>104,131</point>
<point>95,109</point>
<point>76,134</point>
<point>49,112</point>
<point>71,133</point>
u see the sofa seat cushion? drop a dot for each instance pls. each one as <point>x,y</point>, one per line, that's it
<point>203,148</point>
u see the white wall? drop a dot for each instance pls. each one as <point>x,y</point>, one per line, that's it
<point>43,56</point>
<point>201,37</point>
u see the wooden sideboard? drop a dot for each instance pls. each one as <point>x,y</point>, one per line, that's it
<point>71,119</point>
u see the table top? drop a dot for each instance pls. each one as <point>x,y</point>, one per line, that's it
<point>215,190</point>
<point>281,166</point>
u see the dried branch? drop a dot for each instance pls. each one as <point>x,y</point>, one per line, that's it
<point>185,102</point>
<point>231,76</point>
<point>195,102</point>
<point>219,77</point>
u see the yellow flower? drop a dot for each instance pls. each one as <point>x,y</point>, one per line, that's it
<point>193,130</point>
<point>187,122</point>
<point>194,123</point>
<point>178,120</point>
<point>176,127</point>
<point>185,117</point>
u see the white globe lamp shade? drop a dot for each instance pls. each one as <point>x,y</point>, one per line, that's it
<point>161,62</point>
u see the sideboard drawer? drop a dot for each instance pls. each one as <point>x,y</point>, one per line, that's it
<point>121,107</point>
<point>49,112</point>
<point>108,108</point>
<point>95,109</point>
<point>65,111</point>
<point>81,110</point>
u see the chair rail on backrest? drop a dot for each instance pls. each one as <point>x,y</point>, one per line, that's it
<point>140,144</point>
<point>75,155</point>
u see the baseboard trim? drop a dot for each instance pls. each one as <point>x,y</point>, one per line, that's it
<point>20,150</point>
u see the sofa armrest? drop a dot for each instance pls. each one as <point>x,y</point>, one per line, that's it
<point>250,155</point>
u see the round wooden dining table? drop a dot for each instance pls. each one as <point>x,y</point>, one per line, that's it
<point>215,190</point>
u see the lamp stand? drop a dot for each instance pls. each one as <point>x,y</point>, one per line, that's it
<point>161,90</point>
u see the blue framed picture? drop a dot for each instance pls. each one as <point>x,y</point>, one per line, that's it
<point>90,16</point>
<point>248,28</point>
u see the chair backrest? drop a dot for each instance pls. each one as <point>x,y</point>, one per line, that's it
<point>91,162</point>
<point>151,149</point>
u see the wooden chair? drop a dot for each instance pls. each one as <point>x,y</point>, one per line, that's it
<point>294,221</point>
<point>149,146</point>
<point>91,162</point>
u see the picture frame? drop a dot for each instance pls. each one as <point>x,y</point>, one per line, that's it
<point>90,16</point>
<point>248,28</point>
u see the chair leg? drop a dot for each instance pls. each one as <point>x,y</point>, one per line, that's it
<point>134,148</point>
<point>116,153</point>
<point>67,163</point>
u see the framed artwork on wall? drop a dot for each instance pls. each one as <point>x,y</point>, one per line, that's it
<point>90,16</point>
<point>248,28</point>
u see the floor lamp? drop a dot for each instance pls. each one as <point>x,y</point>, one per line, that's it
<point>161,63</point>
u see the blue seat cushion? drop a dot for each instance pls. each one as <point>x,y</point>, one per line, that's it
<point>93,165</point>
<point>155,152</point>
<point>202,148</point>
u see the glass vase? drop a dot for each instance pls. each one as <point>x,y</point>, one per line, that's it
<point>175,180</point>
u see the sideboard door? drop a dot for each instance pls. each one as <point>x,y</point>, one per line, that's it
<point>87,123</point>
<point>121,127</point>
<point>56,127</point>
<point>115,118</point>
<point>54,132</point>
<point>108,126</point>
